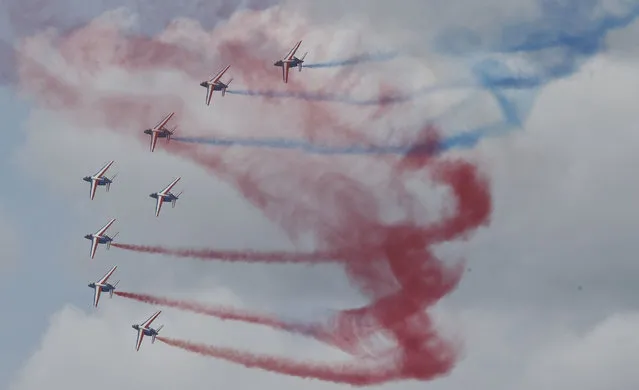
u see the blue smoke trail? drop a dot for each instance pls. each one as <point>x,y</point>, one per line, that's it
<point>572,30</point>
<point>369,57</point>
<point>553,46</point>
<point>337,98</point>
<point>564,37</point>
<point>461,141</point>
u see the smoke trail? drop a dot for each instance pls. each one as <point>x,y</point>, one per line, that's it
<point>236,256</point>
<point>384,99</point>
<point>27,17</point>
<point>390,262</point>
<point>394,265</point>
<point>529,55</point>
<point>220,312</point>
<point>362,58</point>
<point>314,331</point>
<point>459,141</point>
<point>353,374</point>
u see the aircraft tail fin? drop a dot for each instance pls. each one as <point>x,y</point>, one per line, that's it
<point>157,332</point>
<point>108,244</point>
<point>176,198</point>
<point>111,291</point>
<point>301,62</point>
<point>114,286</point>
<point>108,185</point>
<point>171,132</point>
<point>227,85</point>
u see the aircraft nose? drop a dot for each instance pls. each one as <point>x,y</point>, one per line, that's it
<point>203,84</point>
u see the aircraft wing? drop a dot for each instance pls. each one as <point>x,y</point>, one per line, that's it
<point>158,205</point>
<point>94,246</point>
<point>148,322</point>
<point>166,190</point>
<point>105,227</point>
<point>96,295</point>
<point>94,186</point>
<point>164,121</point>
<point>209,94</point>
<point>108,275</point>
<point>219,75</point>
<point>291,53</point>
<point>139,340</point>
<point>103,170</point>
<point>154,139</point>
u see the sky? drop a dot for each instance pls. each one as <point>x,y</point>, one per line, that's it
<point>517,200</point>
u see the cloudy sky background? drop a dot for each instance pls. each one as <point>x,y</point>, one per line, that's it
<point>549,300</point>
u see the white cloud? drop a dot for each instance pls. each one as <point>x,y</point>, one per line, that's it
<point>600,359</point>
<point>563,216</point>
<point>93,343</point>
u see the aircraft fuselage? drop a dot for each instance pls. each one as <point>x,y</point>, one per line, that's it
<point>216,87</point>
<point>101,239</point>
<point>147,331</point>
<point>291,64</point>
<point>102,181</point>
<point>161,133</point>
<point>104,288</point>
<point>167,198</point>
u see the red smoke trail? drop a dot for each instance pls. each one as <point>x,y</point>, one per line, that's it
<point>243,256</point>
<point>395,266</point>
<point>232,314</point>
<point>352,373</point>
<point>343,204</point>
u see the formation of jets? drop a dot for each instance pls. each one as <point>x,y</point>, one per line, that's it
<point>165,195</point>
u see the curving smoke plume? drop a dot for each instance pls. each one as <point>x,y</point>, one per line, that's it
<point>343,205</point>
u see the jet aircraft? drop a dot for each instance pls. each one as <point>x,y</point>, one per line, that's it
<point>165,196</point>
<point>102,286</point>
<point>214,84</point>
<point>100,180</point>
<point>290,61</point>
<point>145,329</point>
<point>100,238</point>
<point>159,131</point>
